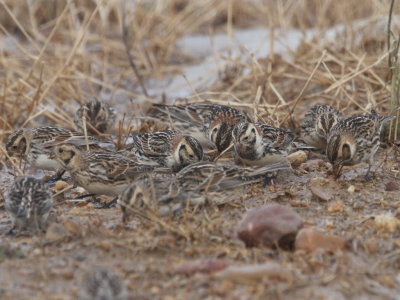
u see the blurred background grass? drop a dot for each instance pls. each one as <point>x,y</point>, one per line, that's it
<point>55,54</point>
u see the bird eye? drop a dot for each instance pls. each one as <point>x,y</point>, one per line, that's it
<point>139,197</point>
<point>14,147</point>
<point>60,150</point>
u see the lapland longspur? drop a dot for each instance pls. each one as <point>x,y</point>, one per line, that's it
<point>148,196</point>
<point>204,121</point>
<point>317,123</point>
<point>99,172</point>
<point>163,197</point>
<point>102,284</point>
<point>354,140</point>
<point>28,201</point>
<point>168,148</point>
<point>35,145</point>
<point>99,116</point>
<point>261,144</point>
<point>139,197</point>
<point>213,176</point>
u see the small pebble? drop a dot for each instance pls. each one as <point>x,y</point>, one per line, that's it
<point>297,158</point>
<point>60,185</point>
<point>336,207</point>
<point>386,222</point>
<point>56,233</point>
<point>321,192</point>
<point>351,189</point>
<point>37,252</point>
<point>80,190</point>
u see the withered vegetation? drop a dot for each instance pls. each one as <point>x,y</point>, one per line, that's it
<point>56,54</point>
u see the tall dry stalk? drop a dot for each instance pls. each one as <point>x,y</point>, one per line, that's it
<point>394,65</point>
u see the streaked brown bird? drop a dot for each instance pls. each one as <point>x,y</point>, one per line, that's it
<point>317,123</point>
<point>102,284</point>
<point>99,116</point>
<point>209,123</point>
<point>261,144</point>
<point>168,148</point>
<point>149,196</point>
<point>35,145</point>
<point>354,140</point>
<point>28,201</point>
<point>99,172</point>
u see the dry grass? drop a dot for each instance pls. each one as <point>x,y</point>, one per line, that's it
<point>56,57</point>
<point>57,54</point>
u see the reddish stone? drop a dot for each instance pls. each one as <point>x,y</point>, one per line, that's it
<point>309,239</point>
<point>271,225</point>
<point>392,186</point>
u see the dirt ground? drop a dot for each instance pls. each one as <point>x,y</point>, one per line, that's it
<point>145,254</point>
<point>53,59</point>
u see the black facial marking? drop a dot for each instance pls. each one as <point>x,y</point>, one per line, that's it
<point>346,152</point>
<point>68,160</point>
<point>243,129</point>
<point>224,137</point>
<point>333,148</point>
<point>195,145</point>
<point>12,138</point>
<point>94,109</point>
<point>182,148</point>
<point>325,124</point>
<point>140,197</point>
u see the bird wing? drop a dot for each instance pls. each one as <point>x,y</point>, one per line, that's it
<point>155,143</point>
<point>202,175</point>
<point>52,136</point>
<point>277,137</point>
<point>113,166</point>
<point>180,113</point>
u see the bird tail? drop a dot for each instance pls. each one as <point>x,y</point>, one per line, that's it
<point>254,172</point>
<point>303,146</point>
<point>382,119</point>
<point>252,175</point>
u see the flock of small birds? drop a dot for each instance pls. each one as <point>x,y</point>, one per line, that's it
<point>164,171</point>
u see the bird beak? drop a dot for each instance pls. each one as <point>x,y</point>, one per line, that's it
<point>337,170</point>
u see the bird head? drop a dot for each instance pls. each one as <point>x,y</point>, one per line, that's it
<point>69,156</point>
<point>245,133</point>
<point>189,151</point>
<point>17,144</point>
<point>341,150</point>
